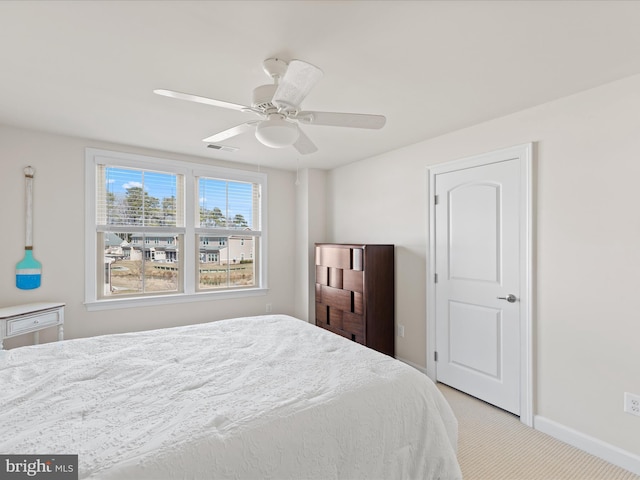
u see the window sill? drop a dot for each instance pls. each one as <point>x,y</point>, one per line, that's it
<point>115,303</point>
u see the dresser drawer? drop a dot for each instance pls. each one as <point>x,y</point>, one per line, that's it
<point>322,275</point>
<point>353,323</point>
<point>30,323</point>
<point>340,257</point>
<point>333,257</point>
<point>336,298</point>
<point>353,280</point>
<point>356,337</point>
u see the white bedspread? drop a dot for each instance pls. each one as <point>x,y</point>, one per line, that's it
<point>268,397</point>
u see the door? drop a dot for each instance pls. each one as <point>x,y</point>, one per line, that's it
<point>480,254</point>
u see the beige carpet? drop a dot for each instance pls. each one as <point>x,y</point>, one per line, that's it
<point>494,445</point>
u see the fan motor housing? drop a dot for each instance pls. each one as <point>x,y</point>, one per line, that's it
<point>262,97</point>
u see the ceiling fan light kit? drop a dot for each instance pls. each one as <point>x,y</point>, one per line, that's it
<point>276,132</point>
<point>279,106</point>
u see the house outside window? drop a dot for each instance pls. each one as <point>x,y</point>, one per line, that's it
<point>171,231</point>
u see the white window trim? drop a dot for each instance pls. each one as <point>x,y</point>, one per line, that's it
<point>94,156</point>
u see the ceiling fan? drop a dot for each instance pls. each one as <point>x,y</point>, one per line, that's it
<point>279,107</point>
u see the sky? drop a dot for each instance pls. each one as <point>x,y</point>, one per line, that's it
<point>230,197</point>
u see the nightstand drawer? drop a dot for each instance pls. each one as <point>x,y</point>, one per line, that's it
<point>30,323</point>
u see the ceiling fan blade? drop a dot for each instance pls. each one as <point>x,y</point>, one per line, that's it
<point>231,132</point>
<point>207,101</point>
<point>353,120</point>
<point>304,145</point>
<point>296,84</point>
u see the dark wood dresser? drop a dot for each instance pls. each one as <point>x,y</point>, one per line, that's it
<point>355,293</point>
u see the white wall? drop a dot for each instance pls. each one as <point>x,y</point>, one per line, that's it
<point>310,229</point>
<point>587,266</point>
<point>59,238</point>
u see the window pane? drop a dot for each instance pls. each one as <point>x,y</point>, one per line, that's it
<point>138,197</point>
<point>228,204</point>
<point>157,219</point>
<point>226,261</point>
<point>136,263</point>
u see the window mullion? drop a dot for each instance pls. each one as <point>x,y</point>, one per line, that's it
<point>140,229</point>
<point>189,257</point>
<point>227,232</point>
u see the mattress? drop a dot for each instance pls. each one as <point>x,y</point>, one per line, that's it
<point>268,397</point>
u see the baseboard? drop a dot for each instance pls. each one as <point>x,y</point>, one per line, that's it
<point>417,367</point>
<point>610,453</point>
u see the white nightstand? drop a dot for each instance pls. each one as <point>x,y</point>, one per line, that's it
<point>31,318</point>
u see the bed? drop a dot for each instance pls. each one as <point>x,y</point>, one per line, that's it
<point>268,397</point>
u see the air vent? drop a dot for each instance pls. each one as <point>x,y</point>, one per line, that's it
<point>265,107</point>
<point>223,148</point>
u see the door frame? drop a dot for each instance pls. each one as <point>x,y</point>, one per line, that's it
<point>524,154</point>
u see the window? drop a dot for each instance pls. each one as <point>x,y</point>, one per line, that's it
<point>161,231</point>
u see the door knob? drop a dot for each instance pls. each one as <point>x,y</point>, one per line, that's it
<point>511,298</point>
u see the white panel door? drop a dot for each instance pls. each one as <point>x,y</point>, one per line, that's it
<point>477,247</point>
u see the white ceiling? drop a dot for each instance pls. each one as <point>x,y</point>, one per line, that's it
<point>88,68</point>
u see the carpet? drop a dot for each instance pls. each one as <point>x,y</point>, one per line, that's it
<point>494,445</point>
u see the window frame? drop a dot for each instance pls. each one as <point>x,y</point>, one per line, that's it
<point>190,171</point>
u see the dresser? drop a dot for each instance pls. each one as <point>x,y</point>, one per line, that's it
<point>31,318</point>
<point>355,293</point>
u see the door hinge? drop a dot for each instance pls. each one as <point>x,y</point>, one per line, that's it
<point>435,356</point>
<point>435,278</point>
<point>436,199</point>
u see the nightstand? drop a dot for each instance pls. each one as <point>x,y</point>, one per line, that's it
<point>31,318</point>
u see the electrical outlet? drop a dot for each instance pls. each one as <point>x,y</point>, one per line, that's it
<point>401,330</point>
<point>268,308</point>
<point>632,403</point>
